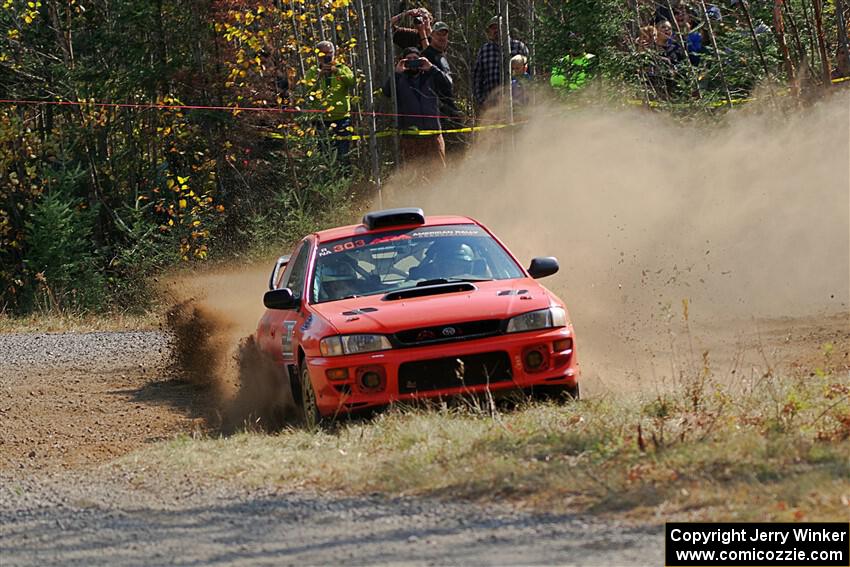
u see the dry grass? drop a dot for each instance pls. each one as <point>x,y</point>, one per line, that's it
<point>70,322</point>
<point>775,448</point>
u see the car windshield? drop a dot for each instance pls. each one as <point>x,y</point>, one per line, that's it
<point>391,261</point>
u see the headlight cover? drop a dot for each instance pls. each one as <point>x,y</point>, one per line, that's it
<point>353,344</point>
<point>542,319</point>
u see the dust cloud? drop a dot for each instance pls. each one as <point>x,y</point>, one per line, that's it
<point>655,222</point>
<point>665,233</point>
<point>213,320</point>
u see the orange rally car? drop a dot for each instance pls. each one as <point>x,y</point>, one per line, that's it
<point>406,307</point>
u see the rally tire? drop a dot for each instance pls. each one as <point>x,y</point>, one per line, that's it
<point>309,405</point>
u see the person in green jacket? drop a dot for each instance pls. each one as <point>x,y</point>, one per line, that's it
<point>329,85</point>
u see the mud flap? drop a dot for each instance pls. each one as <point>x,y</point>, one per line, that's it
<point>294,384</point>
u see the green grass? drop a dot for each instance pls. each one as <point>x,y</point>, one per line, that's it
<point>714,453</point>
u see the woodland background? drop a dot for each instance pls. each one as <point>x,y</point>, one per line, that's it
<point>107,178</point>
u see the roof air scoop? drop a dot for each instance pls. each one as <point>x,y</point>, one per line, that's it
<point>393,217</point>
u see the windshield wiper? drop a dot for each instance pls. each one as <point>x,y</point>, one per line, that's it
<point>439,281</point>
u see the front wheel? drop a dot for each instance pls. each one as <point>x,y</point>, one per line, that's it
<point>312,417</point>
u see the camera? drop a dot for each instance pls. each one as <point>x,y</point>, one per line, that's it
<point>412,63</point>
<point>326,59</point>
<point>417,21</point>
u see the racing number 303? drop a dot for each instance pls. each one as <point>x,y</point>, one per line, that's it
<point>350,245</point>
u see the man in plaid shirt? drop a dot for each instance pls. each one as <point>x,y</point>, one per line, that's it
<point>487,74</point>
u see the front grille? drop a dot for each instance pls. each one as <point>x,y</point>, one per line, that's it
<point>453,372</point>
<point>449,332</point>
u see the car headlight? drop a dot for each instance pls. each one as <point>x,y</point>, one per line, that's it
<point>542,319</point>
<point>353,344</point>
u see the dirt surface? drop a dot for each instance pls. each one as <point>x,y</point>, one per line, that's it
<point>70,403</point>
<point>70,400</point>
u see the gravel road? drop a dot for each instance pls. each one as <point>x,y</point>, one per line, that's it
<point>77,521</point>
<point>71,403</point>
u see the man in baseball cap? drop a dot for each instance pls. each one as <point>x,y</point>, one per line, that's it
<point>487,72</point>
<point>436,54</point>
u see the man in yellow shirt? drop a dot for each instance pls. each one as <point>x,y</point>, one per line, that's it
<point>329,85</point>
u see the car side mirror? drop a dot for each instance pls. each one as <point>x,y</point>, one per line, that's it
<point>543,266</point>
<point>279,266</point>
<point>280,299</point>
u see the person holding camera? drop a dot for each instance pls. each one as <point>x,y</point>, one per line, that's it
<point>418,87</point>
<point>419,35</point>
<point>329,85</point>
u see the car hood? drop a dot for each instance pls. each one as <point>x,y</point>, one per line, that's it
<point>498,299</point>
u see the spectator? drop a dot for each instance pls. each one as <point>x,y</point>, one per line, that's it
<point>436,54</point>
<point>487,73</point>
<point>330,85</point>
<point>668,47</point>
<point>668,54</point>
<point>519,78</point>
<point>418,84</point>
<point>417,36</point>
<point>647,37</point>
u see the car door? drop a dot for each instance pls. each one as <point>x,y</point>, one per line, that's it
<point>280,324</point>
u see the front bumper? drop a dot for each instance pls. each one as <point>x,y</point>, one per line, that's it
<point>494,363</point>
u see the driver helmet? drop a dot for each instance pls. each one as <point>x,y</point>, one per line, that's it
<point>452,257</point>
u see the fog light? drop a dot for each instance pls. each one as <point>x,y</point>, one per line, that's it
<point>562,344</point>
<point>337,374</point>
<point>371,378</point>
<point>534,359</point>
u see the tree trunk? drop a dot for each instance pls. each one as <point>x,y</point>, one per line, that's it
<point>843,49</point>
<point>391,73</point>
<point>370,103</point>
<point>827,74</point>
<point>753,34</point>
<point>779,29</point>
<point>505,32</point>
<point>713,38</point>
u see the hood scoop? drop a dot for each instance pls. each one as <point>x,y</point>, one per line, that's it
<point>513,292</point>
<point>429,290</point>
<point>361,311</point>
